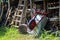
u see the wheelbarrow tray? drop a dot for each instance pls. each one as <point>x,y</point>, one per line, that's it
<point>40,25</point>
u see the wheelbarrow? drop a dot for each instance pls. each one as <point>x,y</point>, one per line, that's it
<point>35,25</point>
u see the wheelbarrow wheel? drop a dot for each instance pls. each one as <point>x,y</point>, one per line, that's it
<point>23,28</point>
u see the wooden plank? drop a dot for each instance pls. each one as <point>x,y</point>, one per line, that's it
<point>53,7</point>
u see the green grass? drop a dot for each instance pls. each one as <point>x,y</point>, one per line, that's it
<point>13,34</point>
<point>47,35</point>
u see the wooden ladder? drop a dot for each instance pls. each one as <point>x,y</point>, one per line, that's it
<point>20,14</point>
<point>8,15</point>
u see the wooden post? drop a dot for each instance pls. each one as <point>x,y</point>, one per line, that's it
<point>59,12</point>
<point>24,11</point>
<point>1,10</point>
<point>31,6</point>
<point>8,12</point>
<point>45,6</point>
<point>8,3</point>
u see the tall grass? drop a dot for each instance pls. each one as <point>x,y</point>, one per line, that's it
<point>12,33</point>
<point>48,35</point>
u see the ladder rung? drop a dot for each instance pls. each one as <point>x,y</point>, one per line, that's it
<point>21,5</point>
<point>20,10</point>
<point>19,15</point>
<point>29,9</point>
<point>17,21</point>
